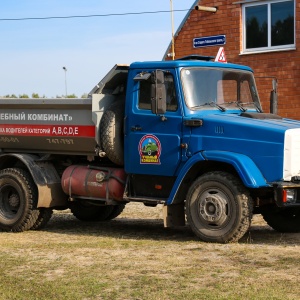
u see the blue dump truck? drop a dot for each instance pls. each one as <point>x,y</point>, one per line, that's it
<point>189,134</point>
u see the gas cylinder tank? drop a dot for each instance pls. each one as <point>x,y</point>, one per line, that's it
<point>94,182</point>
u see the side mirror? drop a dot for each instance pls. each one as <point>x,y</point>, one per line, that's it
<point>158,93</point>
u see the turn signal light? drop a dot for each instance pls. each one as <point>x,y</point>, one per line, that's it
<point>289,196</point>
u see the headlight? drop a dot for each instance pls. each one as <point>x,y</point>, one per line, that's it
<point>289,196</point>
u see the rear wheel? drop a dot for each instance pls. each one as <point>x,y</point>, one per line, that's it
<point>18,200</point>
<point>44,217</point>
<point>219,208</point>
<point>90,213</point>
<point>283,220</point>
<point>117,210</point>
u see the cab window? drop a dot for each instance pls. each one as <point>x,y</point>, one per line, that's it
<point>145,94</point>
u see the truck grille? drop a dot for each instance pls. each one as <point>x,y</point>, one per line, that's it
<point>291,162</point>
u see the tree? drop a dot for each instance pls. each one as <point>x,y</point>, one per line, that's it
<point>72,96</point>
<point>10,96</point>
<point>68,96</point>
<point>35,95</point>
<point>257,33</point>
<point>283,32</point>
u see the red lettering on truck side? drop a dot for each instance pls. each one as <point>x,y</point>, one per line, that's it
<point>47,130</point>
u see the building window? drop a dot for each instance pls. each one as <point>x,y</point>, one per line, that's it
<point>269,25</point>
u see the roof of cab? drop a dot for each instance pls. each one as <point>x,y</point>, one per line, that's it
<point>186,63</point>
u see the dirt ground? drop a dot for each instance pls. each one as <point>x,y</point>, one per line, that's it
<point>135,257</point>
<point>143,219</point>
<point>140,222</point>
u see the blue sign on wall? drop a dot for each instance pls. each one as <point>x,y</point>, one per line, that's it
<point>209,41</point>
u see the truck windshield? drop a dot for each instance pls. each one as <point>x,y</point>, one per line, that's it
<point>207,88</point>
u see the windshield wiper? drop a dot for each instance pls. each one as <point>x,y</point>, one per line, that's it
<point>254,104</point>
<point>238,104</point>
<point>211,104</point>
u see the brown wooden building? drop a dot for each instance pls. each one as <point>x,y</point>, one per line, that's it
<point>264,35</point>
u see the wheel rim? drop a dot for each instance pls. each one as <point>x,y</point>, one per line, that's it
<point>219,207</point>
<point>213,207</point>
<point>10,202</point>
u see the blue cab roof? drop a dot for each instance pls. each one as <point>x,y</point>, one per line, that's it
<point>186,63</point>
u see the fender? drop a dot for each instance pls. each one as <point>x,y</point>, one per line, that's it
<point>194,159</point>
<point>43,174</point>
<point>245,167</point>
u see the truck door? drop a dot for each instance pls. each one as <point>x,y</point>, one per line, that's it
<point>152,142</point>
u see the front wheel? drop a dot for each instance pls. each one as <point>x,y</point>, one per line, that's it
<point>283,220</point>
<point>18,200</point>
<point>219,208</point>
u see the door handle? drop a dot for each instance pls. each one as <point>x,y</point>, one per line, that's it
<point>136,128</point>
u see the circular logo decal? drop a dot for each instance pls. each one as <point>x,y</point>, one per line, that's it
<point>149,149</point>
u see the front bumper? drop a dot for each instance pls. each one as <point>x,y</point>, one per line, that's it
<point>287,194</point>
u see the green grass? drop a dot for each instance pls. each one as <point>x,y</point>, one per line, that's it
<point>139,259</point>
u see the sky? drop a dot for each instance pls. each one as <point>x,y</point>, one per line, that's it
<point>34,52</point>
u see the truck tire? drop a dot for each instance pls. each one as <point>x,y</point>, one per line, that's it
<point>284,220</point>
<point>111,133</point>
<point>18,200</point>
<point>219,208</point>
<point>117,210</point>
<point>90,213</point>
<point>44,217</point>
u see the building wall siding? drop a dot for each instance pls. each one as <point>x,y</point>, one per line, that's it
<point>284,65</point>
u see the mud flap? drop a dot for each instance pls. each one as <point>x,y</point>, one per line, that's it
<point>174,215</point>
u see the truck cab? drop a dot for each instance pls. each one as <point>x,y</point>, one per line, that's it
<point>196,140</point>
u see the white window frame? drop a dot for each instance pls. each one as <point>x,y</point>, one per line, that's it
<point>269,48</point>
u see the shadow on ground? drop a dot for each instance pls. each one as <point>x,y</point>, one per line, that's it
<point>153,229</point>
